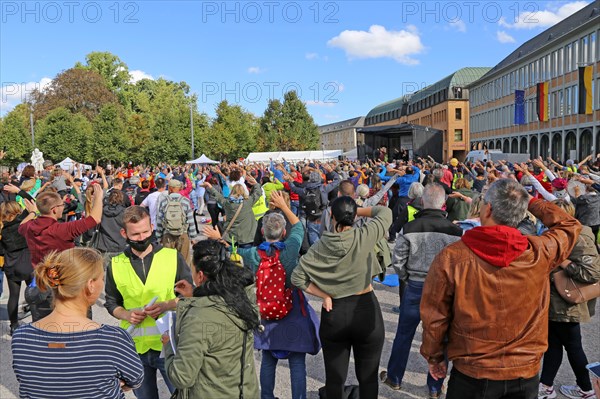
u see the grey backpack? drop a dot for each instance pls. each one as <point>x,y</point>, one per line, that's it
<point>175,220</point>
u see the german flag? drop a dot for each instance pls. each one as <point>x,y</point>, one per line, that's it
<point>541,101</point>
<point>585,90</point>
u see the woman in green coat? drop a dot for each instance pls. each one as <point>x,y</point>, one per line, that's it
<point>583,265</point>
<point>214,344</point>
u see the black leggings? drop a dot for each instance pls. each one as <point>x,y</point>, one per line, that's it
<point>567,335</point>
<point>14,289</point>
<point>354,323</point>
<point>213,211</point>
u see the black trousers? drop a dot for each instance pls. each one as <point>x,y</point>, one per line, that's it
<point>462,386</point>
<point>14,289</point>
<point>354,323</point>
<point>213,211</point>
<point>567,335</point>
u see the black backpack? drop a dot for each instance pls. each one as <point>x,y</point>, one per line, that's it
<point>312,205</point>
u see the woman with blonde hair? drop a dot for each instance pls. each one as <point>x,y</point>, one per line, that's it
<point>17,259</point>
<point>65,354</point>
<point>241,223</point>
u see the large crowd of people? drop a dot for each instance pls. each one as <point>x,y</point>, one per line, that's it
<point>480,250</point>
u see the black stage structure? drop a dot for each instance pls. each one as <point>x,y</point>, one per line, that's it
<point>418,140</point>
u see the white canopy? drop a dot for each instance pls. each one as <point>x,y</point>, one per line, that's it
<point>351,155</point>
<point>69,164</point>
<point>293,155</point>
<point>203,159</point>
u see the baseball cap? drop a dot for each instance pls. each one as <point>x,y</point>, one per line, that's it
<point>174,183</point>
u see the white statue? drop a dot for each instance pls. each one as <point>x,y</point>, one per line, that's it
<point>37,160</point>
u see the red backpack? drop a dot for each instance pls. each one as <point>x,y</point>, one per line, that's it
<point>273,298</point>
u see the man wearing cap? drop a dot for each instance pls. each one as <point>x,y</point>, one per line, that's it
<point>174,230</point>
<point>47,172</point>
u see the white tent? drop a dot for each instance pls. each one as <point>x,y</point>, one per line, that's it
<point>293,156</point>
<point>69,164</point>
<point>351,155</point>
<point>203,159</point>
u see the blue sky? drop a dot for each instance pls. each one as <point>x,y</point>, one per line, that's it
<point>343,57</point>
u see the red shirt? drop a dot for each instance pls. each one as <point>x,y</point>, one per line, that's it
<point>45,234</point>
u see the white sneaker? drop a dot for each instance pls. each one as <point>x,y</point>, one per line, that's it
<point>574,392</point>
<point>546,392</point>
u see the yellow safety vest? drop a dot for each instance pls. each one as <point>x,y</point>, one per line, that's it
<point>260,207</point>
<point>412,211</point>
<point>160,283</point>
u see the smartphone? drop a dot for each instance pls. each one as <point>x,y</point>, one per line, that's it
<point>4,149</point>
<point>594,368</point>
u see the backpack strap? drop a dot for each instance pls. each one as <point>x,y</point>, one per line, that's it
<point>302,302</point>
<point>237,212</point>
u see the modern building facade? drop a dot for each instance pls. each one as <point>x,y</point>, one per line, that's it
<point>341,135</point>
<point>557,75</point>
<point>443,105</point>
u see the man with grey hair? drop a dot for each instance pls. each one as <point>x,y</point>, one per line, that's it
<point>485,299</point>
<point>419,242</point>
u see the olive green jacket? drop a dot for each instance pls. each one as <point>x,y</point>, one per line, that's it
<point>585,268</point>
<point>209,341</point>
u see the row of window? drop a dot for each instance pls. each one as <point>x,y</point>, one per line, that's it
<point>435,98</point>
<point>566,59</point>
<point>561,103</point>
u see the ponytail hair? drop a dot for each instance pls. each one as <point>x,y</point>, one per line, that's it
<point>226,279</point>
<point>343,210</point>
<point>68,272</point>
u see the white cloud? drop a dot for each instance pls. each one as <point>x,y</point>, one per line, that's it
<point>255,70</point>
<point>13,93</point>
<point>312,56</point>
<point>380,43</point>
<point>137,75</point>
<point>534,18</point>
<point>459,25</point>
<point>504,37</point>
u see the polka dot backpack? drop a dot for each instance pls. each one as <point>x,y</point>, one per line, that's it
<point>273,298</point>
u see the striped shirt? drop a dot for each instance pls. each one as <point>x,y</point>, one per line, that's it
<point>76,365</point>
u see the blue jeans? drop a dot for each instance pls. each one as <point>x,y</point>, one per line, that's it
<point>295,207</point>
<point>297,365</point>
<point>410,316</point>
<point>1,281</point>
<point>149,389</point>
<point>313,229</point>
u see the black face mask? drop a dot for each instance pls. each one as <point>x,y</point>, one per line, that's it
<point>140,246</point>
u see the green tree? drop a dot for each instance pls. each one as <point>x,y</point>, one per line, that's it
<point>300,133</point>
<point>233,132</point>
<point>271,127</point>
<point>110,141</point>
<point>15,135</point>
<point>64,134</point>
<point>169,122</point>
<point>114,71</point>
<point>78,90</point>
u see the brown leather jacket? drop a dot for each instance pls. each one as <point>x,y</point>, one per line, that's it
<point>495,318</point>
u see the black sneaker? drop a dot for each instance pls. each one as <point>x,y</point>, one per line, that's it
<point>13,328</point>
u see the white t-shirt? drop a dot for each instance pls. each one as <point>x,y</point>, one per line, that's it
<point>151,202</point>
